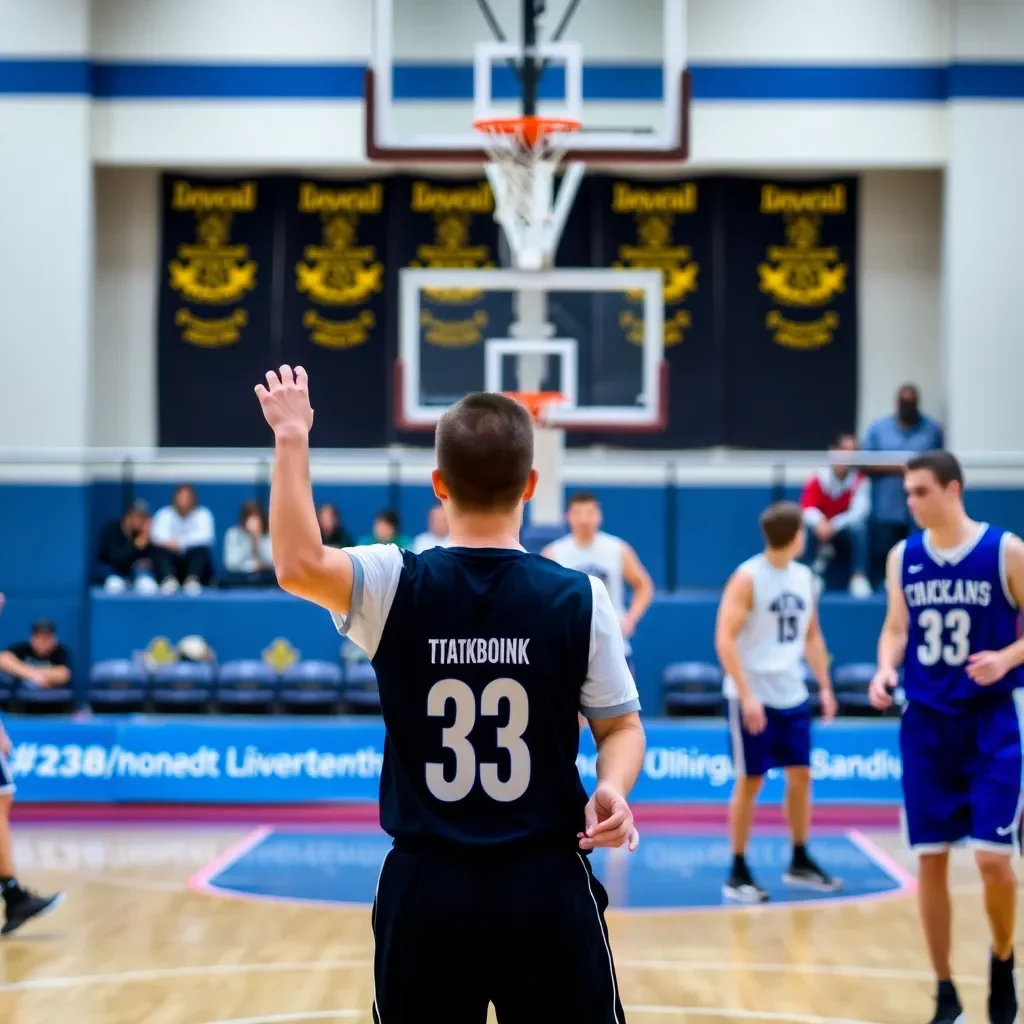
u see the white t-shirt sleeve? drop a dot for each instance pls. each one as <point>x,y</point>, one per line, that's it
<point>610,689</point>
<point>377,569</point>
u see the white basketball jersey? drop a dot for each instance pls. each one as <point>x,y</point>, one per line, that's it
<point>771,642</point>
<point>601,558</point>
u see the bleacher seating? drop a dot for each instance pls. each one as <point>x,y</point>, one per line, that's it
<point>691,688</point>
<point>30,699</point>
<point>118,684</point>
<point>184,687</point>
<point>851,686</point>
<point>359,692</point>
<point>311,687</point>
<point>248,686</point>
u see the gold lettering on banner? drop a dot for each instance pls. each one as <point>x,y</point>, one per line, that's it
<point>211,333</point>
<point>803,274</point>
<point>655,210</point>
<point>339,271</point>
<point>212,271</point>
<point>453,209</point>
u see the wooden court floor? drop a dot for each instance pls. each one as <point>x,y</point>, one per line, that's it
<point>135,945</point>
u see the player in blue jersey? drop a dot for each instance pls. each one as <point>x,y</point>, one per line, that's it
<point>955,592</point>
<point>484,654</point>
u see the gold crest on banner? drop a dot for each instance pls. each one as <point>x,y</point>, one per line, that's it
<point>803,274</point>
<point>655,210</point>
<point>212,271</point>
<point>339,273</point>
<point>453,209</point>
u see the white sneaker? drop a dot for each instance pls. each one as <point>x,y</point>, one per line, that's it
<point>859,586</point>
<point>114,585</point>
<point>169,586</point>
<point>192,586</point>
<point>145,585</point>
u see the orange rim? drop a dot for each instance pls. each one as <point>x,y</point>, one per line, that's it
<point>536,402</point>
<point>529,128</point>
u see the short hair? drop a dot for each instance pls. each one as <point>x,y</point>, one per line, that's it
<point>943,465</point>
<point>846,435</point>
<point>387,515</point>
<point>780,523</point>
<point>583,498</point>
<point>484,450</point>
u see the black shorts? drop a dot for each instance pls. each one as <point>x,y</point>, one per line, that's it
<point>454,932</point>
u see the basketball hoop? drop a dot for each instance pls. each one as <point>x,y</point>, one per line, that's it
<point>537,402</point>
<point>525,153</point>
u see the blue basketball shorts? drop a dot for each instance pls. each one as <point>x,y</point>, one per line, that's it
<point>963,775</point>
<point>785,741</point>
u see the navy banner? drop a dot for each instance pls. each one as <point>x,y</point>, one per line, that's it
<point>336,308</point>
<point>444,224</point>
<point>790,312</point>
<point>215,293</point>
<point>666,226</point>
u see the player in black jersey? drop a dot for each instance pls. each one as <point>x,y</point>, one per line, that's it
<point>484,654</point>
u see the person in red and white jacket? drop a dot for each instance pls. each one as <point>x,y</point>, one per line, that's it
<point>836,504</point>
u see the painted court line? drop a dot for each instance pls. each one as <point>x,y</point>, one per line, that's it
<point>200,881</point>
<point>227,970</point>
<point>887,863</point>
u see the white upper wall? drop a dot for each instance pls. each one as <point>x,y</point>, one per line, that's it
<point>44,28</point>
<point>254,31</point>
<point>825,32</point>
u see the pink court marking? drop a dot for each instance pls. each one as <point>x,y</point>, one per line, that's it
<point>200,881</point>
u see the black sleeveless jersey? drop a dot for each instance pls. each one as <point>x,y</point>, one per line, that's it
<point>481,663</point>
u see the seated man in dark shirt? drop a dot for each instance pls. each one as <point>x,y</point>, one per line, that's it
<point>41,660</point>
<point>126,553</point>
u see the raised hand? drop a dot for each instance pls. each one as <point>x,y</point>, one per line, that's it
<point>285,402</point>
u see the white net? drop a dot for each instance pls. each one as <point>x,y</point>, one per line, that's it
<point>525,155</point>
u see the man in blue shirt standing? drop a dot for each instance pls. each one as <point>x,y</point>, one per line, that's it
<point>909,430</point>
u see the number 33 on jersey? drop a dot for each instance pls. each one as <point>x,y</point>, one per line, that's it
<point>958,603</point>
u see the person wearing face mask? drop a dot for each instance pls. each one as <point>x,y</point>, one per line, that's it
<point>908,430</point>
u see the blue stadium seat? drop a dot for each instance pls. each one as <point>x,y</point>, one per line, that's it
<point>118,685</point>
<point>186,686</point>
<point>248,686</point>
<point>360,690</point>
<point>30,699</point>
<point>851,684</point>
<point>311,687</point>
<point>691,688</point>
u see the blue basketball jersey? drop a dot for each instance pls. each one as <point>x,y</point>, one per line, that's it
<point>483,658</point>
<point>959,604</point>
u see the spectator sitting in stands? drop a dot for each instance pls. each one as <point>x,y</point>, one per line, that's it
<point>385,530</point>
<point>836,504</point>
<point>332,531</point>
<point>183,534</point>
<point>436,534</point>
<point>126,553</point>
<point>909,430</point>
<point>41,660</point>
<point>248,560</point>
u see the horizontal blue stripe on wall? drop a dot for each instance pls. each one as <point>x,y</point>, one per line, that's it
<point>453,82</point>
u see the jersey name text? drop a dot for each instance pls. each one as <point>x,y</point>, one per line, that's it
<point>929,592</point>
<point>503,650</point>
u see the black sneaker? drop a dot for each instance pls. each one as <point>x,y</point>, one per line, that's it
<point>807,874</point>
<point>742,888</point>
<point>26,905</point>
<point>1002,991</point>
<point>948,1009</point>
